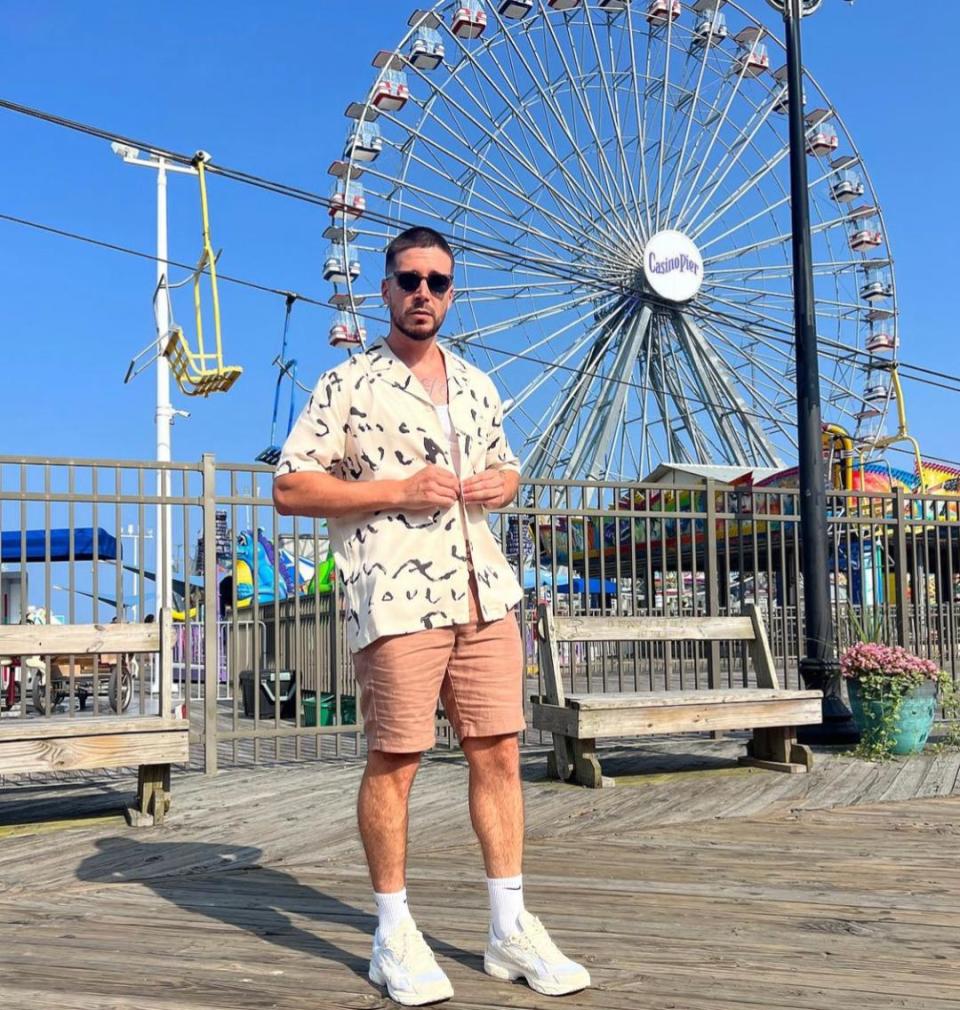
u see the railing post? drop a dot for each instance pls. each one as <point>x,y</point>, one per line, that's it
<point>713,586</point>
<point>211,658</point>
<point>903,624</point>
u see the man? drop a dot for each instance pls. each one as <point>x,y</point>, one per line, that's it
<point>402,449</point>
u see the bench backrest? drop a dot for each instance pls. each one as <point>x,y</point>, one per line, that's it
<point>93,639</point>
<point>746,628</point>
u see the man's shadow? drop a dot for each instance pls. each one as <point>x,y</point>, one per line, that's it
<point>227,883</point>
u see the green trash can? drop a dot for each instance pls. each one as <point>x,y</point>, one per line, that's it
<point>328,709</point>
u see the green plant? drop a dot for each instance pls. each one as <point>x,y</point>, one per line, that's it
<point>868,626</point>
<point>885,674</point>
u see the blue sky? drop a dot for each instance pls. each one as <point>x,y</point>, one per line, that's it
<point>264,90</point>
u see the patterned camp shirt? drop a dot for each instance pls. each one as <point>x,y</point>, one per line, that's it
<point>407,570</point>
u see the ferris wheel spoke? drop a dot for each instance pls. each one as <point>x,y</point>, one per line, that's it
<point>557,119</point>
<point>627,189</point>
<point>721,122</point>
<point>749,186</point>
<point>548,446</point>
<point>614,194</point>
<point>674,388</point>
<point>711,396</point>
<point>517,112</point>
<point>531,316</point>
<point>718,177</point>
<point>785,295</point>
<point>727,385</point>
<point>690,119</point>
<point>782,239</point>
<point>836,386</point>
<point>664,104</point>
<point>594,446</point>
<point>560,364</point>
<point>640,113</point>
<point>837,394</point>
<point>501,143</point>
<point>472,166</point>
<point>550,241</point>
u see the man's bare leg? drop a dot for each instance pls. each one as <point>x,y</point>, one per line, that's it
<point>382,815</point>
<point>401,960</point>
<point>496,801</point>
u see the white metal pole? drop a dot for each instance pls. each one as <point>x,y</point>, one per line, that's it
<point>164,412</point>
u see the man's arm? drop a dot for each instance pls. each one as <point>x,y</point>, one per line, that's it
<point>316,495</point>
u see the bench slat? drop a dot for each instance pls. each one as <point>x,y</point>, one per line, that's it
<point>77,639</point>
<point>62,727</point>
<point>106,750</point>
<point>658,720</point>
<point>653,629</point>
<point>655,699</point>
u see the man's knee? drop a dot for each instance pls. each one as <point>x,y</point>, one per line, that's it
<point>393,771</point>
<point>494,756</point>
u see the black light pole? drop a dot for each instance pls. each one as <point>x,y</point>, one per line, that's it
<point>818,666</point>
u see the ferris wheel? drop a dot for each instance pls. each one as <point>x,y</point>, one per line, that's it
<point>614,179</point>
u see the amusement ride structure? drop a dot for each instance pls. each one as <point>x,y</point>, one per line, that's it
<point>614,178</point>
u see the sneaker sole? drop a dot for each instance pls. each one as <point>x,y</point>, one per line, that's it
<point>510,973</point>
<point>406,998</point>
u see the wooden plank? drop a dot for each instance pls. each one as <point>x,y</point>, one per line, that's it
<point>562,763</point>
<point>666,719</point>
<point>653,629</point>
<point>655,699</point>
<point>113,750</point>
<point>762,656</point>
<point>78,726</point>
<point>77,639</point>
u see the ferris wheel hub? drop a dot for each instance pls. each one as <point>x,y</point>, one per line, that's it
<point>673,266</point>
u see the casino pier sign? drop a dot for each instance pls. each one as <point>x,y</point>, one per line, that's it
<point>673,266</point>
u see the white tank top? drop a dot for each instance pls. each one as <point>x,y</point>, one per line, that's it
<point>443,412</point>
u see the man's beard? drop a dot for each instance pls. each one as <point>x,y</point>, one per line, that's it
<point>416,334</point>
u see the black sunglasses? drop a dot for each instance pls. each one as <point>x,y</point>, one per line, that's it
<point>409,281</point>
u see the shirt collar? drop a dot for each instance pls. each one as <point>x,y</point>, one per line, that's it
<point>384,361</point>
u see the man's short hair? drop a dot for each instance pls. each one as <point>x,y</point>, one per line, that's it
<point>416,238</point>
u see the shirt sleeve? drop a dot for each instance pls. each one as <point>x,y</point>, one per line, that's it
<point>499,454</point>
<point>318,439</point>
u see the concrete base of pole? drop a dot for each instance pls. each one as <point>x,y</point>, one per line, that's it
<point>838,727</point>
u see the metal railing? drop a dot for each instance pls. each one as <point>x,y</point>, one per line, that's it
<point>261,662</point>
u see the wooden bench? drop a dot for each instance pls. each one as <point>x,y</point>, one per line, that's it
<point>577,721</point>
<point>151,743</point>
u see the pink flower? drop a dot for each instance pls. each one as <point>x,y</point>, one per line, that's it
<point>893,661</point>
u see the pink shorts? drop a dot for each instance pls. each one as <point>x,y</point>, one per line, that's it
<point>475,669</point>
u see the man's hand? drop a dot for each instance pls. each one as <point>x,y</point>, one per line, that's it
<point>490,489</point>
<point>428,488</point>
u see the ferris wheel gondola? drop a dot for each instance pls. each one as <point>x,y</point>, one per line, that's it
<point>614,179</point>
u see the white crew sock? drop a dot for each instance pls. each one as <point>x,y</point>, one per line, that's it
<point>391,911</point>
<point>506,904</point>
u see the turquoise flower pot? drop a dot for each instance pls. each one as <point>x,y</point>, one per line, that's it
<point>912,725</point>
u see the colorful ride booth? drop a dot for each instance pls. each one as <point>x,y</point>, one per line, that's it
<point>894,539</point>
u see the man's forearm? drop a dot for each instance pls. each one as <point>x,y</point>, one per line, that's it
<point>322,496</point>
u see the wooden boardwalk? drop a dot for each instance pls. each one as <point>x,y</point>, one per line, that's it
<point>710,888</point>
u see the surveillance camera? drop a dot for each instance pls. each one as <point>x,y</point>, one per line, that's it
<point>123,150</point>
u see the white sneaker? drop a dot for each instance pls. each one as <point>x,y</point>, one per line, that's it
<point>530,954</point>
<point>406,966</point>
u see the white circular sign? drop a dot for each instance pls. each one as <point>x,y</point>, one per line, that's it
<point>673,266</point>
